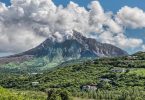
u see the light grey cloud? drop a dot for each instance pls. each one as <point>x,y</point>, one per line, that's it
<point>143,47</point>
<point>131,17</point>
<point>26,23</point>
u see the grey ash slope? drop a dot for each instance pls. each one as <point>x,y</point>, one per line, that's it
<point>76,47</point>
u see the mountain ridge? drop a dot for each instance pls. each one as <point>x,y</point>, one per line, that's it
<point>76,47</point>
<point>87,43</point>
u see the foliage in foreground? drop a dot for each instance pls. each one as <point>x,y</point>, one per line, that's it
<point>122,94</point>
<point>20,95</point>
<point>58,95</point>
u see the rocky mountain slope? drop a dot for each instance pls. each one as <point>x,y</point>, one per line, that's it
<point>76,47</point>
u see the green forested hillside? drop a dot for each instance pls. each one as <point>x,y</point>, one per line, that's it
<point>120,78</point>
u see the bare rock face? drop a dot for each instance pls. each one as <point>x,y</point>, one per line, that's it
<point>76,47</point>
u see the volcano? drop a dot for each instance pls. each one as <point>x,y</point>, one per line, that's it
<point>76,47</point>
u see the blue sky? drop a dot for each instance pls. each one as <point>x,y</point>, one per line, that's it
<point>113,5</point>
<point>108,5</point>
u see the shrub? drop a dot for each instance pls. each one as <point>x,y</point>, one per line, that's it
<point>58,95</point>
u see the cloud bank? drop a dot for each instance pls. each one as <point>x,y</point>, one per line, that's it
<point>26,23</point>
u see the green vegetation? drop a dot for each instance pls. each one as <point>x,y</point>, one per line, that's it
<point>58,95</point>
<point>137,71</point>
<point>119,78</point>
<point>34,65</point>
<point>21,95</point>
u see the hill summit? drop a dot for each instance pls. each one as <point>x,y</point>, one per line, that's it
<point>76,47</point>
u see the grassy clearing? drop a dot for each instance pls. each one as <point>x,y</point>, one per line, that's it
<point>6,94</point>
<point>138,72</point>
<point>76,98</point>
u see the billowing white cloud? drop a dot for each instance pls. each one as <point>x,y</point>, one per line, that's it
<point>2,7</point>
<point>26,23</point>
<point>143,47</point>
<point>131,17</point>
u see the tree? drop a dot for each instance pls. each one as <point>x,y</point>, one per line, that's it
<point>58,95</point>
<point>65,95</point>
